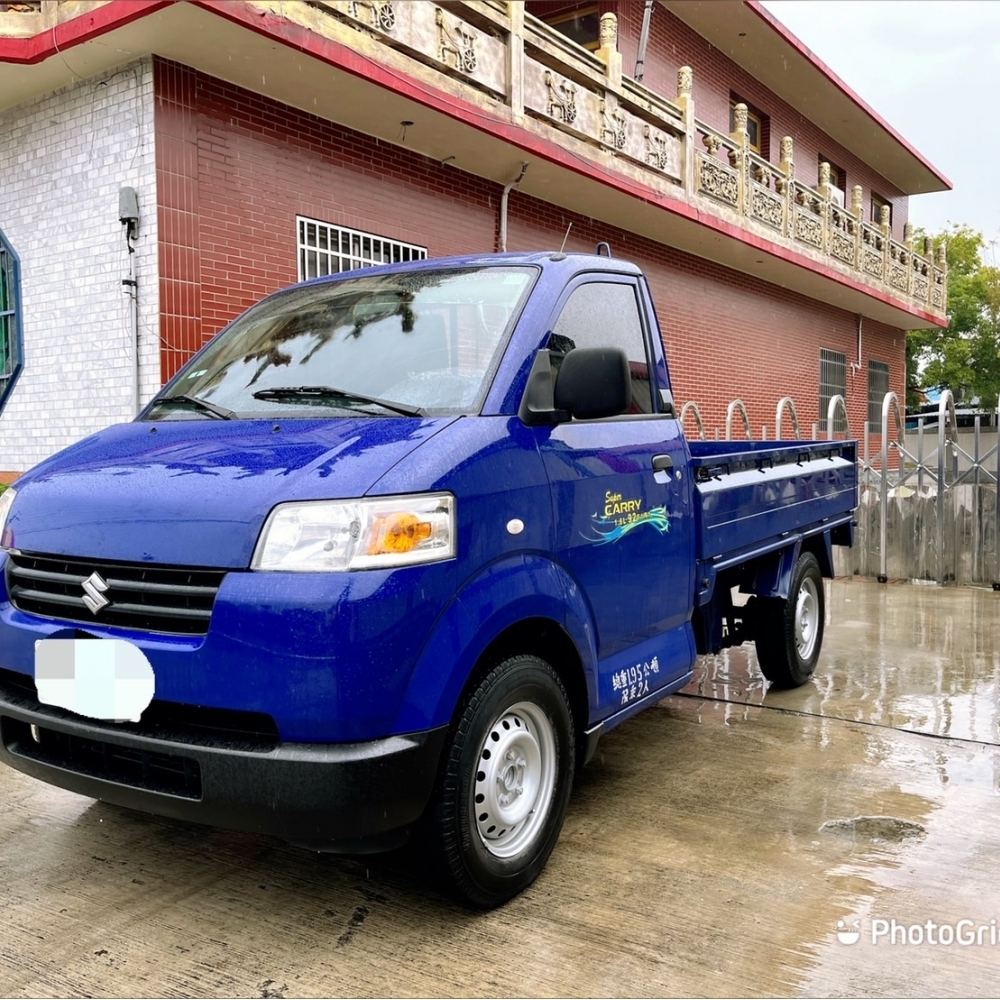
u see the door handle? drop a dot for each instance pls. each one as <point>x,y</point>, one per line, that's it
<point>662,463</point>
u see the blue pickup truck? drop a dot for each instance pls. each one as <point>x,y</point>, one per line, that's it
<point>395,548</point>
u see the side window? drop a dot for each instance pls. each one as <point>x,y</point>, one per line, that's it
<point>10,333</point>
<point>605,314</point>
<point>832,382</point>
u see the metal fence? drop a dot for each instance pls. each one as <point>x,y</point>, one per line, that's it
<point>927,507</point>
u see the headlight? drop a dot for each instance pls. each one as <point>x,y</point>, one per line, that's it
<point>6,500</point>
<point>320,536</point>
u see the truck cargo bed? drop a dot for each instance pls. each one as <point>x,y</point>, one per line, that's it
<point>752,496</point>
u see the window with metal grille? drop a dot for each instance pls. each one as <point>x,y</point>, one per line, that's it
<point>10,319</point>
<point>325,249</point>
<point>832,382</point>
<point>878,386</point>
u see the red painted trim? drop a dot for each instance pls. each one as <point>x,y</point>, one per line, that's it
<point>38,48</point>
<point>803,50</point>
<point>337,54</point>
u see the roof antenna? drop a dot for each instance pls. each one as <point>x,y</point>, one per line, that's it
<point>603,246</point>
<point>566,237</point>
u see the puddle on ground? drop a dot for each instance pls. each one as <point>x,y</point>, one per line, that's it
<point>921,659</point>
<point>877,829</point>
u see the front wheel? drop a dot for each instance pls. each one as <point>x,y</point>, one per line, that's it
<point>790,632</point>
<point>506,781</point>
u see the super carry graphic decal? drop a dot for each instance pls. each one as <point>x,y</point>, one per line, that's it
<point>621,515</point>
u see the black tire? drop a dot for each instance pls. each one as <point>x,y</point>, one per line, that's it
<point>790,632</point>
<point>505,781</point>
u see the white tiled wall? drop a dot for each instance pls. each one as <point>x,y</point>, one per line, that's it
<point>63,159</point>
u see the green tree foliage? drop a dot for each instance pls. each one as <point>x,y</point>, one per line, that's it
<point>965,356</point>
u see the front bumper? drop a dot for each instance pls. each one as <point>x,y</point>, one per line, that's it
<point>348,797</point>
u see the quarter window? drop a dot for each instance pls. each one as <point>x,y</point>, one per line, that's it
<point>10,319</point>
<point>325,249</point>
<point>605,314</point>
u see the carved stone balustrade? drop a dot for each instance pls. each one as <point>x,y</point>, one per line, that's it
<point>492,54</point>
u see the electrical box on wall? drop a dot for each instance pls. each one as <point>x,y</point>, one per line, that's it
<point>128,210</point>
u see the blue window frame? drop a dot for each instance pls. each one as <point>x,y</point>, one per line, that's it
<point>10,319</point>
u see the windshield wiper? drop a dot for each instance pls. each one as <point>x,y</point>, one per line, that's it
<point>328,392</point>
<point>219,412</point>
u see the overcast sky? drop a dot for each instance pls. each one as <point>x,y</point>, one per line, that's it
<point>932,70</point>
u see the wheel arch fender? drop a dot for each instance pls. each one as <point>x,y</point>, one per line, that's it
<point>772,575</point>
<point>515,597</point>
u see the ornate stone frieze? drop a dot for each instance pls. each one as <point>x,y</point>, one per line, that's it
<point>842,246</point>
<point>718,180</point>
<point>561,98</point>
<point>656,147</point>
<point>615,126</point>
<point>920,287</point>
<point>456,42</point>
<point>808,229</point>
<point>767,207</point>
<point>937,296</point>
<point>871,263</point>
<point>376,13</point>
<point>897,276</point>
<point>659,150</point>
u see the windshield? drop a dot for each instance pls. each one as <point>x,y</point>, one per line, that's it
<point>422,342</point>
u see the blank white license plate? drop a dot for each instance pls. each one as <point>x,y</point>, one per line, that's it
<point>108,679</point>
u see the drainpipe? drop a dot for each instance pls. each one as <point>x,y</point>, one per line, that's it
<point>856,365</point>
<point>128,216</point>
<point>503,206</point>
<point>640,56</point>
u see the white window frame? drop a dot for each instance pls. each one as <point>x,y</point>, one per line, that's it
<point>323,248</point>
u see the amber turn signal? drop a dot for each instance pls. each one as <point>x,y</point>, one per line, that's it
<point>398,532</point>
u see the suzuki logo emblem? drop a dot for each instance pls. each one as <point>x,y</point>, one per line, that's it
<point>93,593</point>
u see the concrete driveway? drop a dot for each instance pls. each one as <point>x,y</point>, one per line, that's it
<point>714,847</point>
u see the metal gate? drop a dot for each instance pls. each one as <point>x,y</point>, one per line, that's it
<point>927,507</point>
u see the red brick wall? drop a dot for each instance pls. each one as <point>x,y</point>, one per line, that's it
<point>673,44</point>
<point>234,169</point>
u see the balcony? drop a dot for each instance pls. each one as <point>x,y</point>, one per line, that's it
<point>603,144</point>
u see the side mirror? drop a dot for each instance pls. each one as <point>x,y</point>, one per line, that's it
<point>537,405</point>
<point>594,382</point>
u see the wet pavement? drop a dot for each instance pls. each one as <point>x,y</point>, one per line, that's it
<point>714,847</point>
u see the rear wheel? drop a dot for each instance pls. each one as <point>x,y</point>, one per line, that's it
<point>790,632</point>
<point>506,781</point>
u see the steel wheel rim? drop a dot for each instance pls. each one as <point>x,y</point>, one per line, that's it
<point>806,619</point>
<point>515,779</point>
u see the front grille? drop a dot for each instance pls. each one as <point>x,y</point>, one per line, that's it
<point>157,772</point>
<point>220,728</point>
<point>173,599</point>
